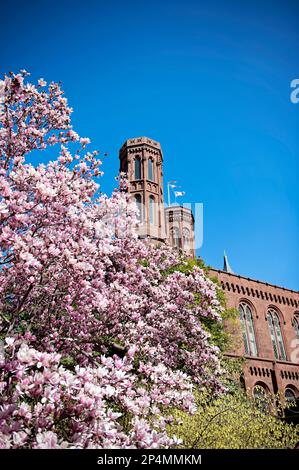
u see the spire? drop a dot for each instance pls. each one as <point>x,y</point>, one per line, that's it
<point>226,266</point>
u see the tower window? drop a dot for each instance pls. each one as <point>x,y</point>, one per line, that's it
<point>186,236</point>
<point>151,170</point>
<point>175,235</point>
<point>137,168</point>
<point>247,327</point>
<point>138,202</point>
<point>276,335</point>
<point>152,209</point>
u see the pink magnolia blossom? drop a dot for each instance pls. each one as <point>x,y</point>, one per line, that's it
<point>42,82</point>
<point>99,325</point>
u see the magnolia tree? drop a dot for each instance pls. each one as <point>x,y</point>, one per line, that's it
<point>102,334</point>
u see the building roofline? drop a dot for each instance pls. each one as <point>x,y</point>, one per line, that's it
<point>253,280</point>
<point>177,206</point>
<point>142,140</point>
<point>179,209</point>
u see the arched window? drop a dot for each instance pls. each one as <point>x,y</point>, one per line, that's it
<point>260,390</point>
<point>137,169</point>
<point>151,170</point>
<point>276,336</point>
<point>152,209</point>
<point>175,235</point>
<point>186,236</point>
<point>295,324</point>
<point>247,327</point>
<point>138,202</point>
<point>261,395</point>
<point>290,395</point>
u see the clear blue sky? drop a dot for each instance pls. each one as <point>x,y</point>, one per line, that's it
<point>208,79</point>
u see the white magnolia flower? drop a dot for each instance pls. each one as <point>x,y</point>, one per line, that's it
<point>2,90</point>
<point>9,341</point>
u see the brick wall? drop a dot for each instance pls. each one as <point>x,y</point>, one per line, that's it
<point>265,369</point>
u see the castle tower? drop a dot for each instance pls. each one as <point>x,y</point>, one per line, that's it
<point>180,228</point>
<point>141,158</point>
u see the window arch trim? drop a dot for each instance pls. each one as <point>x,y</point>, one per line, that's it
<point>152,209</point>
<point>137,168</point>
<point>278,312</point>
<point>150,170</point>
<point>276,332</point>
<point>175,239</point>
<point>262,394</point>
<point>138,202</point>
<point>295,324</point>
<point>293,389</point>
<point>250,304</point>
<point>246,315</point>
<point>263,385</point>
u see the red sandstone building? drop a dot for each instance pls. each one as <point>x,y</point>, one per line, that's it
<point>269,325</point>
<point>268,314</point>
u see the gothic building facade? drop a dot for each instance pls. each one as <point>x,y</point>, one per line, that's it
<point>268,315</point>
<point>269,330</point>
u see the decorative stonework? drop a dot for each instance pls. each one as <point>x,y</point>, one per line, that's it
<point>265,369</point>
<point>260,290</point>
